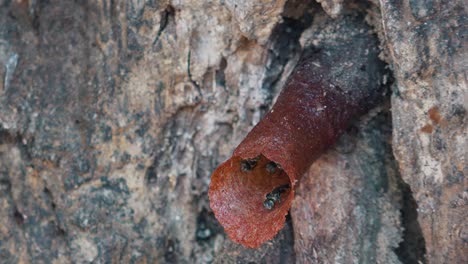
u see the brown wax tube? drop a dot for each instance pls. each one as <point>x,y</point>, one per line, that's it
<point>251,192</point>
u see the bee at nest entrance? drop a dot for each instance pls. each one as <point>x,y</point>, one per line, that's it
<point>269,178</point>
<point>274,196</point>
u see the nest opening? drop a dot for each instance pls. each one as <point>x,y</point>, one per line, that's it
<point>250,197</point>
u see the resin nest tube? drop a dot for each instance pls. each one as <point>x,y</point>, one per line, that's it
<point>251,193</point>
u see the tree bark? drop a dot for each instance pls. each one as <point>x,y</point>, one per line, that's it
<point>113,115</point>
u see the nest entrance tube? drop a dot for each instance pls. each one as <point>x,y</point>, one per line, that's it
<point>249,195</point>
<point>246,192</point>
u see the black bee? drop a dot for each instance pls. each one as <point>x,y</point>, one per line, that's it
<point>249,164</point>
<point>271,167</point>
<point>274,196</point>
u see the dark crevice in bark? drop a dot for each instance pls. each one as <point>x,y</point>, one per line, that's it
<point>220,73</point>
<point>171,250</point>
<point>151,177</point>
<point>5,186</point>
<point>49,198</point>
<point>286,248</point>
<point>195,84</point>
<point>413,247</point>
<point>20,140</point>
<point>6,137</point>
<point>207,227</point>
<point>165,16</point>
<point>18,216</point>
<point>284,45</point>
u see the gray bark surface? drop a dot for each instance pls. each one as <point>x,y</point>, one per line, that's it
<point>113,114</point>
<point>426,44</point>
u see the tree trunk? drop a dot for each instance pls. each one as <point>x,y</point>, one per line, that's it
<point>113,115</point>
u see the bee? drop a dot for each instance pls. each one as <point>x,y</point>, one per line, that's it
<point>248,164</point>
<point>271,167</point>
<point>274,196</point>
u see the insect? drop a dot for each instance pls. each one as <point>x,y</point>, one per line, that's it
<point>274,196</point>
<point>271,167</point>
<point>249,164</point>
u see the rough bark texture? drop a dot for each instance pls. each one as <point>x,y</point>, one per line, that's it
<point>113,114</point>
<point>427,47</point>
